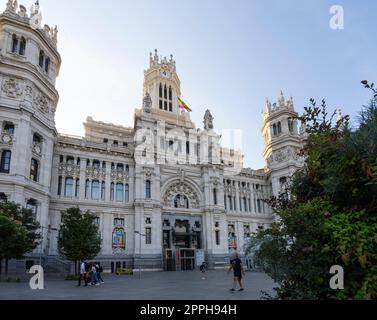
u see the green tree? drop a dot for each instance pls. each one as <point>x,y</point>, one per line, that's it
<point>78,237</point>
<point>25,237</point>
<point>327,216</point>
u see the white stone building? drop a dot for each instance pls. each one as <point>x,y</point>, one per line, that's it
<point>164,191</point>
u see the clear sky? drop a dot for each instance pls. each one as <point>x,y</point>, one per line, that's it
<point>230,54</point>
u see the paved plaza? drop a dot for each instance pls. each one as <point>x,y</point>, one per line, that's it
<point>192,285</point>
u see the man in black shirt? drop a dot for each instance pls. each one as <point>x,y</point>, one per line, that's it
<point>236,265</point>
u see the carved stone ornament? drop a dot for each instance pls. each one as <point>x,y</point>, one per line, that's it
<point>118,175</point>
<point>208,121</point>
<point>41,102</point>
<point>37,148</point>
<point>6,139</point>
<point>95,173</point>
<point>147,103</point>
<point>12,88</point>
<point>181,189</point>
<point>69,169</point>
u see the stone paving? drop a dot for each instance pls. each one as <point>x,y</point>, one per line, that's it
<point>192,285</point>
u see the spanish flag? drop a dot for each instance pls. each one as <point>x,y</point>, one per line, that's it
<point>183,105</point>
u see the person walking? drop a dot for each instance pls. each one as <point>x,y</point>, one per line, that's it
<point>238,271</point>
<point>82,274</point>
<point>94,275</point>
<point>99,270</point>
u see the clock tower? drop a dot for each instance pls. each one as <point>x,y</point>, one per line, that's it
<point>161,82</point>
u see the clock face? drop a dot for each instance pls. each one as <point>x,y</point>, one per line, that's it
<point>165,74</point>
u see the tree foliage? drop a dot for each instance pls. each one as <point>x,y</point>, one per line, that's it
<point>328,214</point>
<point>78,238</point>
<point>18,231</point>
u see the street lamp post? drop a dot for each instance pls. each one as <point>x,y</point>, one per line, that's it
<point>140,235</point>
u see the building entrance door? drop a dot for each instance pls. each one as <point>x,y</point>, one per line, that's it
<point>169,260</point>
<point>187,259</point>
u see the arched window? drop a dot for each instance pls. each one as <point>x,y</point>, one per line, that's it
<point>96,164</point>
<point>160,91</point>
<point>120,167</point>
<point>103,190</point>
<point>70,160</point>
<point>148,193</point>
<point>127,193</point>
<point>127,168</point>
<point>37,138</point>
<point>34,170</point>
<point>68,187</point>
<point>6,157</point>
<point>95,190</point>
<point>14,43</point>
<point>47,64</point>
<point>112,191</point>
<point>41,58</point>
<point>119,192</point>
<point>22,46</point>
<point>275,130</point>
<point>119,239</point>
<point>9,128</point>
<point>290,126</point>
<point>279,128</point>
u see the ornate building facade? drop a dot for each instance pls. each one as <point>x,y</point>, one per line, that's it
<point>165,193</point>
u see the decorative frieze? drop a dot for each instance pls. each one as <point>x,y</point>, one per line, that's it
<point>119,175</point>
<point>70,170</point>
<point>95,173</point>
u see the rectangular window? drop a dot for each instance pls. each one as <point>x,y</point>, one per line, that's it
<point>240,205</point>
<point>217,234</point>
<point>60,180</point>
<point>148,235</point>
<point>34,170</point>
<point>259,206</point>
<point>160,104</point>
<point>170,107</point>
<point>226,207</point>
<point>112,191</point>
<point>230,203</point>
<point>249,205</point>
<point>165,106</point>
<point>95,190</point>
<point>68,192</point>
